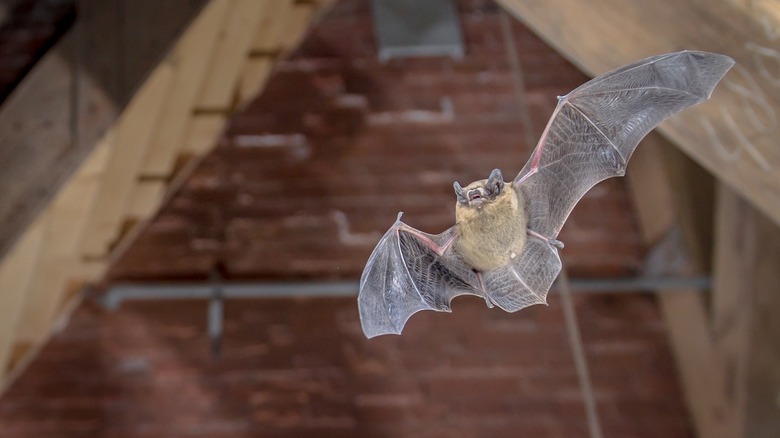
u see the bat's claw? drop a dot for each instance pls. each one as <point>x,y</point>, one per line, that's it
<point>556,243</point>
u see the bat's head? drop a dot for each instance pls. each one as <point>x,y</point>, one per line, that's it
<point>481,193</point>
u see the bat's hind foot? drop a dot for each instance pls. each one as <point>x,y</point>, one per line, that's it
<point>554,242</point>
<point>483,290</point>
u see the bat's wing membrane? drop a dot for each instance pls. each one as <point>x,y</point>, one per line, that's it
<point>526,280</point>
<point>595,129</point>
<point>405,275</point>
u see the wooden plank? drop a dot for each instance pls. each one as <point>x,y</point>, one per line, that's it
<point>233,47</point>
<point>133,135</point>
<point>256,73</point>
<point>731,297</point>
<point>744,307</point>
<point>701,371</point>
<point>300,18</point>
<point>42,148</point>
<point>280,30</point>
<point>15,274</point>
<point>271,28</point>
<point>762,415</point>
<point>734,136</point>
<point>698,362</point>
<point>121,42</point>
<point>645,166</point>
<point>146,199</point>
<point>767,11</point>
<point>203,134</point>
<point>190,59</point>
<point>64,224</point>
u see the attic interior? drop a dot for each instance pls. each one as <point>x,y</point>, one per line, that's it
<point>191,189</point>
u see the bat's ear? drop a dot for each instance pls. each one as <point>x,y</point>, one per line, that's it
<point>459,193</point>
<point>495,182</point>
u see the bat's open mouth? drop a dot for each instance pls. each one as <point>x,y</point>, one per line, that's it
<point>476,197</point>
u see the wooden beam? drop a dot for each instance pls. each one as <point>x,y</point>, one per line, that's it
<point>744,307</point>
<point>735,135</point>
<point>132,139</point>
<point>191,59</point>
<point>15,275</point>
<point>762,415</point>
<point>266,48</point>
<point>121,42</point>
<point>731,296</point>
<point>64,224</point>
<point>281,29</point>
<point>204,132</point>
<point>686,318</point>
<point>233,48</point>
<point>45,128</point>
<point>51,121</point>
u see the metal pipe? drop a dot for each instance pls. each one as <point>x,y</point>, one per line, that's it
<point>114,297</point>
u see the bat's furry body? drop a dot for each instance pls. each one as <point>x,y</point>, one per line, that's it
<point>502,246</point>
<point>491,234</point>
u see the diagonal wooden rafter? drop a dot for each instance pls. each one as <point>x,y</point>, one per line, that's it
<point>176,115</point>
<point>58,265</point>
<point>15,276</point>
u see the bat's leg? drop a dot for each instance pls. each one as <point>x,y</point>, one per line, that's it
<point>435,247</point>
<point>556,243</point>
<point>482,288</point>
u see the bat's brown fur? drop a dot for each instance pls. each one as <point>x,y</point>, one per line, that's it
<point>492,233</point>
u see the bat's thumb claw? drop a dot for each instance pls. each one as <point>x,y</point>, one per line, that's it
<point>556,243</point>
<point>400,213</point>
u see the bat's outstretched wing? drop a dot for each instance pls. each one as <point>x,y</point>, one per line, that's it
<point>595,129</point>
<point>406,274</point>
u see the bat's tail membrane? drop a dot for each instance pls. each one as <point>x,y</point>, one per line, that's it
<point>527,279</point>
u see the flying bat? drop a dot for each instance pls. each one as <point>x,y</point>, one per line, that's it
<point>503,245</point>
